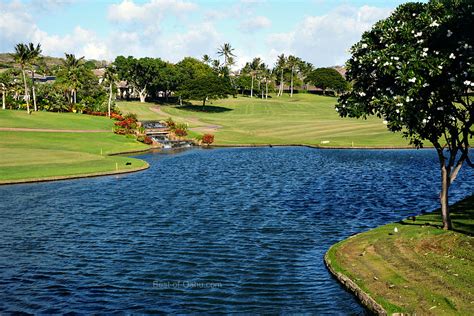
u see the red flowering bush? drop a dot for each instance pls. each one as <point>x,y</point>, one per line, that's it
<point>147,140</point>
<point>180,132</point>
<point>207,139</point>
<point>116,116</point>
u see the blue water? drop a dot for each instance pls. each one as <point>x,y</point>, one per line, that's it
<point>224,230</point>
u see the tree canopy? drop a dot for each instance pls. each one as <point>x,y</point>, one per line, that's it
<point>327,78</point>
<point>415,70</point>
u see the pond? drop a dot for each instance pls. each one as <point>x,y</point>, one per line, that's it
<point>222,230</point>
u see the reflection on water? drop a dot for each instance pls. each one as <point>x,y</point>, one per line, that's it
<point>225,230</point>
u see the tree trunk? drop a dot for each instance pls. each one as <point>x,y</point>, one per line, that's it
<point>3,100</point>
<point>280,92</point>
<point>142,95</point>
<point>251,89</point>
<point>291,93</point>
<point>74,96</point>
<point>266,90</point>
<point>445,183</point>
<point>26,92</point>
<point>110,98</point>
<point>204,102</point>
<point>33,90</point>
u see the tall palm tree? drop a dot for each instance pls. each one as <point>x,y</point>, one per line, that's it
<point>254,67</point>
<point>34,54</point>
<point>110,78</point>
<point>226,50</point>
<point>281,66</point>
<point>293,63</point>
<point>22,57</point>
<point>73,67</point>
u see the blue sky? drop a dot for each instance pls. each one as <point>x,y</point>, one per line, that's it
<point>319,31</point>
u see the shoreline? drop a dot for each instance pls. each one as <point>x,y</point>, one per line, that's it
<point>145,151</point>
<point>365,264</point>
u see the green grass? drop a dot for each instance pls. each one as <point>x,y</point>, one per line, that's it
<point>421,269</point>
<point>42,155</point>
<point>304,119</point>
<point>49,120</point>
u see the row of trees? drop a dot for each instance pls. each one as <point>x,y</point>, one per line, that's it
<point>19,87</point>
<point>76,87</point>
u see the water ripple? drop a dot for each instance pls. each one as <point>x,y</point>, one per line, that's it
<point>206,231</point>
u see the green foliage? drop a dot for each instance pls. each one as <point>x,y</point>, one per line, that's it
<point>327,78</point>
<point>50,97</point>
<point>414,69</point>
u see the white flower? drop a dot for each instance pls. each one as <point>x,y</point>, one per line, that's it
<point>452,56</point>
<point>337,110</point>
<point>434,24</point>
<point>385,122</point>
<point>424,121</point>
<point>426,85</point>
<point>420,41</point>
<point>408,99</point>
<point>449,33</point>
<point>429,118</point>
<point>467,83</point>
<point>412,80</point>
<point>364,45</point>
<point>440,108</point>
<point>440,67</point>
<point>399,104</point>
<point>355,58</point>
<point>395,58</point>
<point>426,49</point>
<point>397,110</point>
<point>418,34</point>
<point>362,94</point>
<point>424,54</point>
<point>414,14</point>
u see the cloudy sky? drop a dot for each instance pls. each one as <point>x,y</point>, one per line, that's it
<point>319,31</point>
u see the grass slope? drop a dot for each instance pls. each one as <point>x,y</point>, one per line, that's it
<point>304,119</point>
<point>42,155</point>
<point>421,269</point>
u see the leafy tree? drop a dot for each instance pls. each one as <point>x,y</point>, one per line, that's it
<point>6,80</point>
<point>200,82</point>
<point>139,73</point>
<point>327,78</point>
<point>414,69</point>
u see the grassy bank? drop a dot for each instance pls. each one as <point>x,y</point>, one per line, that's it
<point>419,269</point>
<point>304,119</point>
<point>43,155</point>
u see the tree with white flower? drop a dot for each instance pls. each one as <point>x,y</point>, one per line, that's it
<point>424,92</point>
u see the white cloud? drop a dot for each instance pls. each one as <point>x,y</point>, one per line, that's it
<point>255,24</point>
<point>324,40</point>
<point>153,10</point>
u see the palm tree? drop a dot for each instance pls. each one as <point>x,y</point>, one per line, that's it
<point>254,67</point>
<point>73,66</point>
<point>226,51</point>
<point>293,63</point>
<point>110,78</point>
<point>206,59</point>
<point>281,66</point>
<point>34,54</point>
<point>22,57</point>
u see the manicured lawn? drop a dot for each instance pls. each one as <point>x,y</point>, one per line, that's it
<point>49,120</point>
<point>303,119</point>
<point>419,270</point>
<point>38,155</point>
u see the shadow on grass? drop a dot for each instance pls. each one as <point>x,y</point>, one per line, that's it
<point>204,109</point>
<point>462,216</point>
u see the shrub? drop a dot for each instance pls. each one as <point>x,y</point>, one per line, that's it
<point>170,123</point>
<point>207,139</point>
<point>116,116</point>
<point>148,140</point>
<point>180,132</point>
